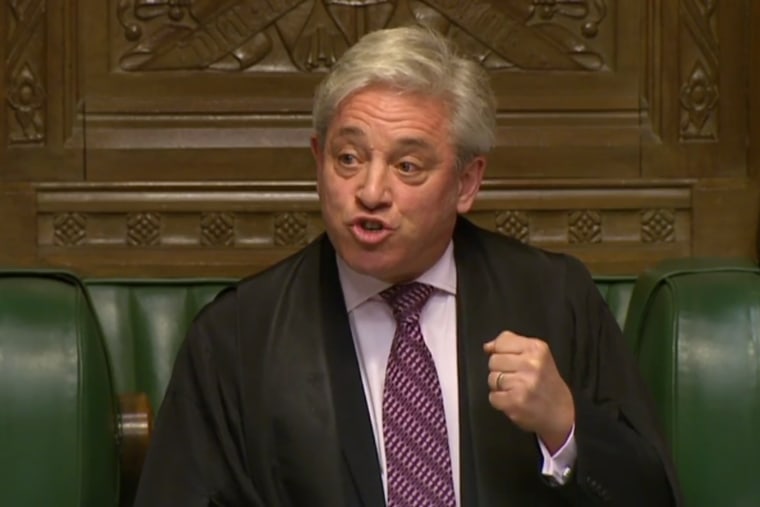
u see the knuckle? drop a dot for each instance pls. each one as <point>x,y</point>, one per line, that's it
<point>540,346</point>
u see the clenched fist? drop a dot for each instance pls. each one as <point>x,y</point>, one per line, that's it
<point>526,386</point>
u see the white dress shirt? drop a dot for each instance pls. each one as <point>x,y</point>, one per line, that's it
<point>373,326</point>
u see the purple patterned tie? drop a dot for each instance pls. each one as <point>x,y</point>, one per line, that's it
<point>417,456</point>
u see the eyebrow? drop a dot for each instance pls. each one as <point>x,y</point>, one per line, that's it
<point>350,132</point>
<point>403,143</point>
<point>406,143</point>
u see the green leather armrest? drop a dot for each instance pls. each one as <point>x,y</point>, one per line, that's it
<point>144,322</point>
<point>696,326</point>
<point>58,443</point>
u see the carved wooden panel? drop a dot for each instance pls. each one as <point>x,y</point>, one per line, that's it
<point>26,72</point>
<point>258,224</point>
<point>693,91</point>
<point>175,82</point>
<point>308,35</point>
<point>38,124</point>
<point>171,136</point>
<point>699,91</point>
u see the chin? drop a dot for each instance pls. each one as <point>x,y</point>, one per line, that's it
<point>382,269</point>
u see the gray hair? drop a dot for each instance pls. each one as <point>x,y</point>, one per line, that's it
<point>414,59</point>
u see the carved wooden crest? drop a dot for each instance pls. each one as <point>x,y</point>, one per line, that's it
<point>309,35</point>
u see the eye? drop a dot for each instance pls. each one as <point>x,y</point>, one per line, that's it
<point>348,159</point>
<point>407,167</point>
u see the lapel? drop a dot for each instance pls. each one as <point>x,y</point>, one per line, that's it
<point>352,418</point>
<point>492,296</point>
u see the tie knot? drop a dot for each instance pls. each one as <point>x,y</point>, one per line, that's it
<point>407,300</point>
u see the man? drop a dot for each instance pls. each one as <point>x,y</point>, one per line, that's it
<point>406,357</point>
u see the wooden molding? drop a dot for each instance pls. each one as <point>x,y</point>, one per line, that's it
<point>188,224</point>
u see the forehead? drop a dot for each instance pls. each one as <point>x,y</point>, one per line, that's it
<point>381,112</point>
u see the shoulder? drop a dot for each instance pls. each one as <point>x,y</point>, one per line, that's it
<point>258,293</point>
<point>502,252</point>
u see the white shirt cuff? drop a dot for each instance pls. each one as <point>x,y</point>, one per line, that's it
<point>559,466</point>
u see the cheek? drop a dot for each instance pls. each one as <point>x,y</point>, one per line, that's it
<point>335,193</point>
<point>431,210</point>
<point>327,185</point>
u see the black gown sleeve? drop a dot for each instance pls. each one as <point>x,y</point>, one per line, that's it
<point>622,457</point>
<point>197,453</point>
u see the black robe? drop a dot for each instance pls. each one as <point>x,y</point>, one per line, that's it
<point>265,406</point>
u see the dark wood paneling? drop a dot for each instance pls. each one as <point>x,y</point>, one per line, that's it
<point>695,93</point>
<point>754,103</point>
<point>235,227</point>
<point>161,139</point>
<point>4,109</point>
<point>726,218</point>
<point>40,138</point>
<point>754,87</point>
<point>18,233</point>
<point>584,119</point>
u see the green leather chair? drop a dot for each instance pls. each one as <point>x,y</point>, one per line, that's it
<point>58,427</point>
<point>695,326</point>
<point>617,292</point>
<point>144,322</point>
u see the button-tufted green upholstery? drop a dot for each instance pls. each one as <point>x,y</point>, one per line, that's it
<point>695,325</point>
<point>57,414</point>
<point>144,321</point>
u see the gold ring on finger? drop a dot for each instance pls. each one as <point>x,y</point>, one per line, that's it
<point>498,381</point>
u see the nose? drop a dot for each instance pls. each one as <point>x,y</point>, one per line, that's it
<point>374,192</point>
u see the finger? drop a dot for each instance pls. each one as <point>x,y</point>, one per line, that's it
<point>505,402</point>
<point>499,400</point>
<point>499,380</point>
<point>490,347</point>
<point>509,362</point>
<point>507,343</point>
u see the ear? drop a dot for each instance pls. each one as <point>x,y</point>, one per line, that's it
<point>316,151</point>
<point>470,179</point>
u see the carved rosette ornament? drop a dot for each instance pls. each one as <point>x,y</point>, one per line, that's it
<point>290,229</point>
<point>514,224</point>
<point>69,229</point>
<point>217,229</point>
<point>658,226</point>
<point>585,226</point>
<point>699,99</point>
<point>310,35</point>
<point>143,229</point>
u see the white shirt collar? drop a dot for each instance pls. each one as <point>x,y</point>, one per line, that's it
<point>358,288</point>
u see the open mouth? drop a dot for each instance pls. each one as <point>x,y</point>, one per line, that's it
<point>370,232</point>
<point>371,225</point>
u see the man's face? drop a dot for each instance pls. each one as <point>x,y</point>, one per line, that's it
<point>387,181</point>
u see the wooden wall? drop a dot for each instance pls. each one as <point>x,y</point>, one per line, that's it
<point>170,137</point>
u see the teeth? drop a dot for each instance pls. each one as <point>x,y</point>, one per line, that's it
<point>371,225</point>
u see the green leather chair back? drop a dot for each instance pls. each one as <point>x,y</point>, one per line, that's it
<point>695,325</point>
<point>57,417</point>
<point>616,291</point>
<point>144,322</point>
